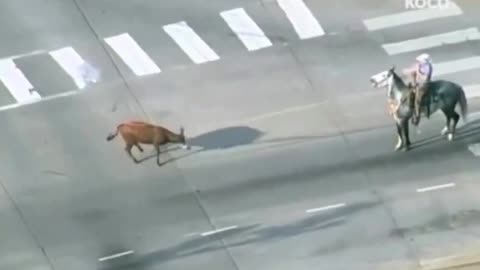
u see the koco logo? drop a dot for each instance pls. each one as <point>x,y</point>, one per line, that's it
<point>424,4</point>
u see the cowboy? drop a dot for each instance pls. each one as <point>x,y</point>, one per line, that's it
<point>421,74</point>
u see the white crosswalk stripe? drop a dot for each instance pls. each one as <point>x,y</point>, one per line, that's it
<point>301,18</point>
<point>409,17</point>
<point>246,29</point>
<point>75,66</point>
<point>191,43</point>
<point>472,91</point>
<point>132,54</point>
<point>458,65</point>
<point>16,82</point>
<point>432,41</point>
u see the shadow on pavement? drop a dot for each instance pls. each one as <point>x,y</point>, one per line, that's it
<point>226,137</point>
<point>244,236</point>
<point>447,222</point>
<point>465,132</point>
<point>217,139</point>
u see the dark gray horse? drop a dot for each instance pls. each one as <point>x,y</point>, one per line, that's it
<point>443,95</point>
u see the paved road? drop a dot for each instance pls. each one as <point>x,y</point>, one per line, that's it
<point>70,198</point>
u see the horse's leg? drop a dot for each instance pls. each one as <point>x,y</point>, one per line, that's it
<point>448,116</point>
<point>405,134</point>
<point>157,147</point>
<point>139,147</point>
<point>399,137</point>
<point>128,148</point>
<point>453,129</point>
<point>446,129</point>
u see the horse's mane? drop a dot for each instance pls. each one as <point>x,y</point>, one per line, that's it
<point>397,79</point>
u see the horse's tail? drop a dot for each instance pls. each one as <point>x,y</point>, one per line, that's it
<point>463,106</point>
<point>112,135</point>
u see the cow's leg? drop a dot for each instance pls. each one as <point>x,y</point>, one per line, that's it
<point>157,147</point>
<point>128,148</point>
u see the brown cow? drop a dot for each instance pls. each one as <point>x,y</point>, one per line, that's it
<point>135,133</point>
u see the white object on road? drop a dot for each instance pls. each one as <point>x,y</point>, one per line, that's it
<point>219,230</point>
<point>191,43</point>
<point>432,41</point>
<point>132,54</point>
<point>449,185</point>
<point>80,71</point>
<point>328,207</point>
<point>17,84</point>
<point>114,256</point>
<point>409,17</point>
<point>301,18</point>
<point>246,29</point>
<point>475,149</point>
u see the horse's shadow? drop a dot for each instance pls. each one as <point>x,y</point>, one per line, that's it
<point>466,131</point>
<point>223,138</point>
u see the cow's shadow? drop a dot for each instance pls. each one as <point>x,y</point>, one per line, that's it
<point>226,138</point>
<point>223,138</point>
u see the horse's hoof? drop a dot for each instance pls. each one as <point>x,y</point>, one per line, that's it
<point>444,131</point>
<point>450,137</point>
<point>398,148</point>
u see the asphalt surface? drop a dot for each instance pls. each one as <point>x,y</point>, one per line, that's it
<point>70,198</point>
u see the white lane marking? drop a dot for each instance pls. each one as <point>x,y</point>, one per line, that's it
<point>313,210</point>
<point>191,43</point>
<point>47,98</point>
<point>409,17</point>
<point>114,256</point>
<point>449,185</point>
<point>132,54</point>
<point>301,18</point>
<point>32,53</point>
<point>252,37</point>
<point>17,84</point>
<point>191,234</point>
<point>219,230</point>
<point>75,66</point>
<point>475,149</point>
<point>458,65</point>
<point>432,41</point>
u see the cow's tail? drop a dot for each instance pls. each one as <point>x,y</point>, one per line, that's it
<point>112,135</point>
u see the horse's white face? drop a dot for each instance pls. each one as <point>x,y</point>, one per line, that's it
<point>380,80</point>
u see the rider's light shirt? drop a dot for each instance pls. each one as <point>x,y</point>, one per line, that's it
<point>424,72</point>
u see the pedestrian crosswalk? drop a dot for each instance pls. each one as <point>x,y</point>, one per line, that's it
<point>429,42</point>
<point>198,49</point>
<point>138,60</point>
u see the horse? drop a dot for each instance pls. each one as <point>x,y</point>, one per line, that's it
<point>135,133</point>
<point>442,95</point>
